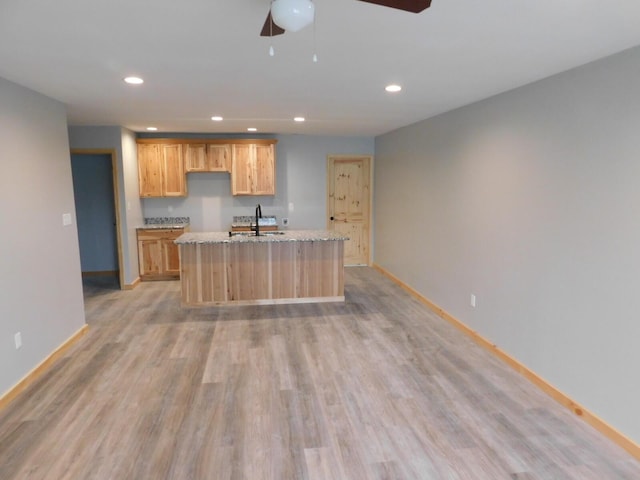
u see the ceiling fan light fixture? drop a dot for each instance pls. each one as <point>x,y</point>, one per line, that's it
<point>292,15</point>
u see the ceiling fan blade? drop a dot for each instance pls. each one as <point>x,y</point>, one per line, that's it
<point>414,6</point>
<point>270,29</point>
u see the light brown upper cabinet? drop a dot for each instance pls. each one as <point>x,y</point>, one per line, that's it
<point>164,162</point>
<point>174,181</point>
<point>150,170</point>
<point>203,157</point>
<point>161,170</point>
<point>253,169</point>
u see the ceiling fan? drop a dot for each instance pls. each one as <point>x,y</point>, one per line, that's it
<point>292,15</point>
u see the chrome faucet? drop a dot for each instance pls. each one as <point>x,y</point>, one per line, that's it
<point>258,215</point>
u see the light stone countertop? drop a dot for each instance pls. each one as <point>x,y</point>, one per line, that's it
<point>286,236</point>
<point>162,226</point>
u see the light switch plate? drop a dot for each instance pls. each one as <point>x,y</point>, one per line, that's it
<point>66,219</point>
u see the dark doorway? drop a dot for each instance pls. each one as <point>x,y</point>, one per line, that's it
<point>95,201</point>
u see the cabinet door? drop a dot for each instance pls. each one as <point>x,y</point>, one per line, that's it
<point>242,169</point>
<point>264,170</point>
<point>150,257</point>
<point>219,158</point>
<point>150,170</point>
<point>195,157</point>
<point>171,256</point>
<point>175,184</point>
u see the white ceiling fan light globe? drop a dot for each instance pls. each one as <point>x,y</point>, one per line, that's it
<point>292,15</point>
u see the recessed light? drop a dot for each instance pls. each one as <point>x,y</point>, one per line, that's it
<point>252,129</point>
<point>152,129</point>
<point>134,80</point>
<point>298,119</point>
<point>216,118</point>
<point>393,88</point>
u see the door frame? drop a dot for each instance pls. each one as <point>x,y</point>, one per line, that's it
<point>116,199</point>
<point>330,158</point>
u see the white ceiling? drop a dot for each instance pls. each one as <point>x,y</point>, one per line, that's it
<point>205,57</point>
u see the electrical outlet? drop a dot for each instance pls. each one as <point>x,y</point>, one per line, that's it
<point>472,301</point>
<point>18,339</point>
<point>285,222</point>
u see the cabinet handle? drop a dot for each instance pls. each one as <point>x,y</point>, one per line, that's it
<point>331,218</point>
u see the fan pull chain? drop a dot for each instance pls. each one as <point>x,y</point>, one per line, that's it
<point>315,42</point>
<point>272,52</point>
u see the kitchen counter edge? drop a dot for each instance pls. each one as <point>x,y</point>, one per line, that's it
<point>163,226</point>
<point>286,236</point>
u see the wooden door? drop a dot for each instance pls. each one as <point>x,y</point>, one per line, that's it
<point>218,158</point>
<point>150,257</point>
<point>195,157</point>
<point>264,170</point>
<point>150,170</point>
<point>241,170</point>
<point>174,176</point>
<point>171,256</point>
<point>348,204</point>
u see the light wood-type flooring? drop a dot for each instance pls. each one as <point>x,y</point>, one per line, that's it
<point>375,388</point>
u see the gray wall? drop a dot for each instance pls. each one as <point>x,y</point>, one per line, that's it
<point>301,170</point>
<point>40,284</point>
<point>531,201</point>
<point>123,142</point>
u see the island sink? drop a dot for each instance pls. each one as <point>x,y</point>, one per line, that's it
<point>253,234</point>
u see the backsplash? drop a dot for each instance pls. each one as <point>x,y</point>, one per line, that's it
<point>166,220</point>
<point>244,220</point>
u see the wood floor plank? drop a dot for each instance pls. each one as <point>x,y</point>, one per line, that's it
<point>375,388</point>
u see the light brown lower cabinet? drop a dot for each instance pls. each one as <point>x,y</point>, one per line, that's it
<point>158,256</point>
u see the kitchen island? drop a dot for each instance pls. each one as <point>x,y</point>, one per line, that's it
<point>298,266</point>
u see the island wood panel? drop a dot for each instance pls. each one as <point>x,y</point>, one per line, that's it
<point>248,271</point>
<point>203,275</point>
<point>283,266</point>
<point>320,275</point>
<point>262,272</point>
